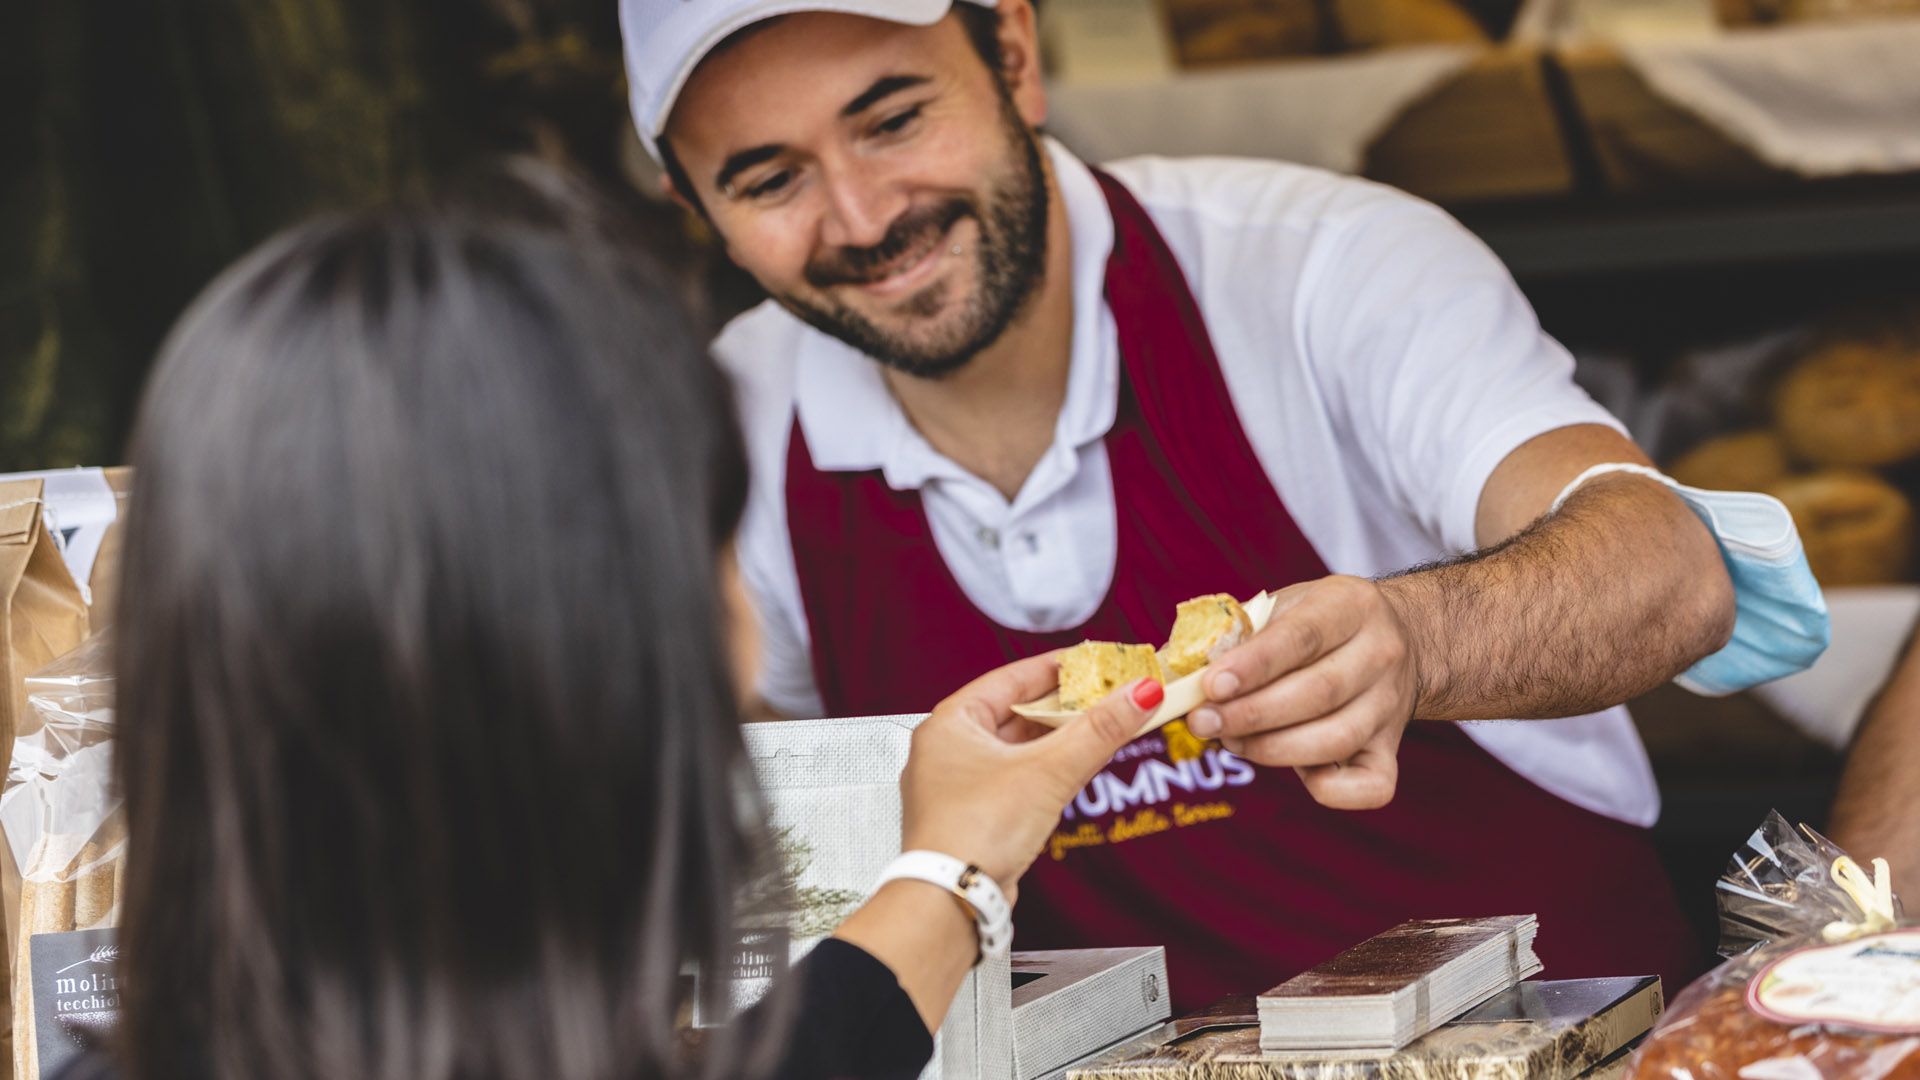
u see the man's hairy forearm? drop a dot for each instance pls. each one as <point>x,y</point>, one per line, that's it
<point>1616,593</point>
<point>1875,813</point>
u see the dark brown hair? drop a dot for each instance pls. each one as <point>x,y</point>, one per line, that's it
<point>430,751</point>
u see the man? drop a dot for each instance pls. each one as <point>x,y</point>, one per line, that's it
<point>1001,402</point>
<point>1875,812</point>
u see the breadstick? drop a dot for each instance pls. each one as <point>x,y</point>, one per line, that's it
<point>93,888</point>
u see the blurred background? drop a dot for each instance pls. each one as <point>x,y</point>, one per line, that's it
<point>1714,203</point>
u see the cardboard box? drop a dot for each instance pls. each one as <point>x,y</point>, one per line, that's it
<point>1069,1003</point>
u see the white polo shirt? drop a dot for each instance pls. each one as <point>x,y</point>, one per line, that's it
<point>1381,360</point>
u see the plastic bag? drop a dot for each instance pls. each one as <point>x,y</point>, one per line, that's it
<point>64,823</point>
<point>1823,980</point>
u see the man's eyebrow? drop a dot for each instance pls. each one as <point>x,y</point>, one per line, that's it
<point>744,160</point>
<point>886,86</point>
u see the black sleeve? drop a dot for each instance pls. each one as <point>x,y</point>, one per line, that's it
<point>854,1023</point>
<point>853,1020</point>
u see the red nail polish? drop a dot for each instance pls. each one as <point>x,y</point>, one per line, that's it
<point>1147,693</point>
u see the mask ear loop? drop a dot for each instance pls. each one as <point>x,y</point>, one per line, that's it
<point>1873,895</point>
<point>1601,470</point>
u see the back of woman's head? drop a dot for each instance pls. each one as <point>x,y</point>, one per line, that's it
<point>430,754</point>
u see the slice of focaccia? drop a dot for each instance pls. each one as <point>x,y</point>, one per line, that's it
<point>1204,628</point>
<point>1091,670</point>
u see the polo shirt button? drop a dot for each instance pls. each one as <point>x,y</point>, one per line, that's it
<point>988,538</point>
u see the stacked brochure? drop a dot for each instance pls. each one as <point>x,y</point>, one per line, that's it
<point>1394,988</point>
<point>1538,1030</point>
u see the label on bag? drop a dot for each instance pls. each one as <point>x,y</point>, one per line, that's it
<point>1871,983</point>
<point>76,993</point>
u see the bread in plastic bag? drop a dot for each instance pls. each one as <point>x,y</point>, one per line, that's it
<point>1822,980</point>
<point>64,821</point>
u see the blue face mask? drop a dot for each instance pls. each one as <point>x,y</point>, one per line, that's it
<point>1780,624</point>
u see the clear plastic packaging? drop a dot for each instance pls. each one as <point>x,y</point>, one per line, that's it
<point>65,826</point>
<point>1822,980</point>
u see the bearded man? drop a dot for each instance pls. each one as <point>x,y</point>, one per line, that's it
<point>1000,401</point>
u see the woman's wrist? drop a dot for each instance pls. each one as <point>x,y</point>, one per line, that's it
<point>979,893</point>
<point>924,935</point>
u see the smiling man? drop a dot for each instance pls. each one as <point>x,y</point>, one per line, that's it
<point>1001,401</point>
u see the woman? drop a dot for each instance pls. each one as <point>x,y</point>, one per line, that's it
<point>430,754</point>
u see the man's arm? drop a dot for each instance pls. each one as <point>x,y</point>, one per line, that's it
<point>1617,592</point>
<point>1875,812</point>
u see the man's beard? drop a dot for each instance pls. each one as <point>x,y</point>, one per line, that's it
<point>1009,257</point>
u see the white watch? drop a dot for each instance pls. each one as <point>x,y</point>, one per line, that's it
<point>992,915</point>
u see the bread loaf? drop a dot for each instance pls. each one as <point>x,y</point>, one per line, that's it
<point>1854,399</point>
<point>1857,528</point>
<point>1745,461</point>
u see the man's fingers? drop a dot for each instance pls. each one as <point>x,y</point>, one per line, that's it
<point>1325,741</point>
<point>1317,690</point>
<point>1319,621</point>
<point>1365,782</point>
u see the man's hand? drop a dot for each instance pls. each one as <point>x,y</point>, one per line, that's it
<point>1559,614</point>
<point>1327,687</point>
<point>1873,812</point>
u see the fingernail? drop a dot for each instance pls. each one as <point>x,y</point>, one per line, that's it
<point>1204,723</point>
<point>1147,693</point>
<point>1225,685</point>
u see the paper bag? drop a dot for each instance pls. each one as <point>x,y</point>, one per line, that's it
<point>833,793</point>
<point>60,538</point>
<point>64,826</point>
<point>45,611</point>
<point>42,616</point>
<point>103,579</point>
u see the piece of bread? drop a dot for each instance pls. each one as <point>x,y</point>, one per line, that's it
<point>1091,670</point>
<point>1209,32</point>
<point>1744,461</point>
<point>1841,10</point>
<point>1379,24</point>
<point>1204,628</point>
<point>1857,528</point>
<point>1854,399</point>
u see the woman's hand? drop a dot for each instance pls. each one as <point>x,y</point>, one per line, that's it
<point>985,787</point>
<point>988,788</point>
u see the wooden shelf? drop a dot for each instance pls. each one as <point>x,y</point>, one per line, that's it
<point>1593,237</point>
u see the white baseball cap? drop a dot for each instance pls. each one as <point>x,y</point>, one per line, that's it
<point>666,39</point>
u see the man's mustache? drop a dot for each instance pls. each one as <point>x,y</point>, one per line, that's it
<point>909,236</point>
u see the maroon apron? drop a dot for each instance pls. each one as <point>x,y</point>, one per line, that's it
<point>1236,870</point>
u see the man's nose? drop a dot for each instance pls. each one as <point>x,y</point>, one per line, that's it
<point>860,207</point>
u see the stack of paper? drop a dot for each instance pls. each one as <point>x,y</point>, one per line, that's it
<point>1538,1030</point>
<point>1394,988</point>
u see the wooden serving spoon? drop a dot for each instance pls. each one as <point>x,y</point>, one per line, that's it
<point>1184,694</point>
